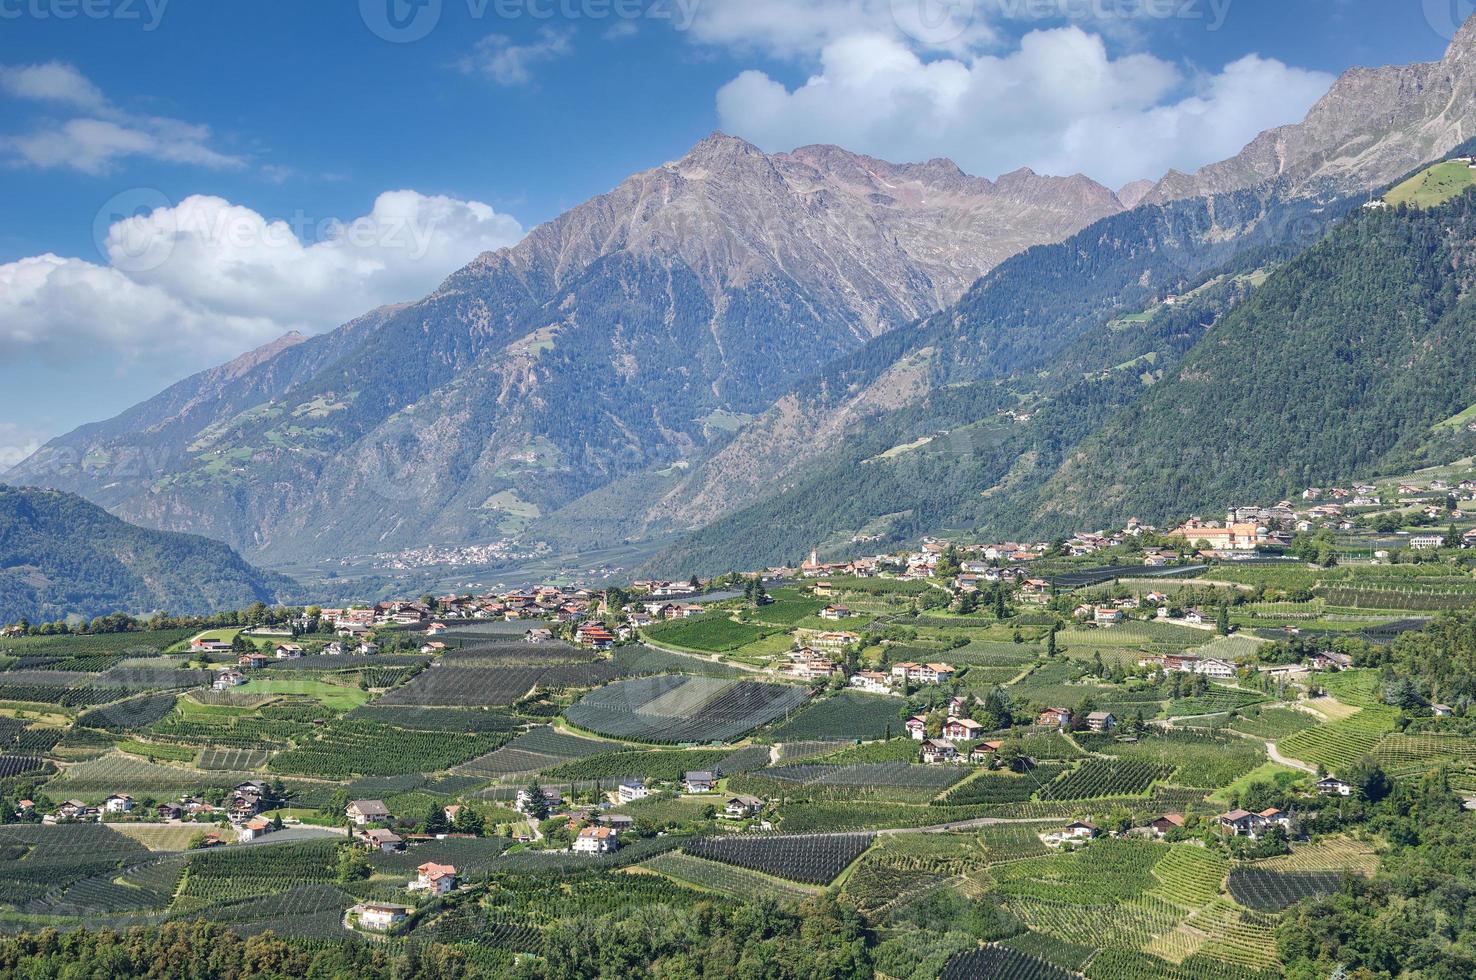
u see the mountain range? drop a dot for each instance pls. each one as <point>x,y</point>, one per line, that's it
<point>735,355</point>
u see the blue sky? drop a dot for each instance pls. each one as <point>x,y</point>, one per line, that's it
<point>208,122</point>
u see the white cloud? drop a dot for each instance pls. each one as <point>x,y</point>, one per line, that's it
<point>206,279</point>
<point>1059,103</point>
<point>53,81</point>
<point>18,442</point>
<point>104,134</point>
<point>506,63</point>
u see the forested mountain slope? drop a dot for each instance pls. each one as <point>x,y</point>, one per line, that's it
<point>1345,361</point>
<point>61,556</point>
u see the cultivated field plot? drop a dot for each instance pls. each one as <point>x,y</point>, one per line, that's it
<point>311,911</point>
<point>229,874</point>
<point>539,748</point>
<point>1231,648</point>
<point>1000,963</point>
<point>726,879</point>
<point>900,775</point>
<point>37,861</point>
<point>170,838</point>
<point>668,765</point>
<point>1192,759</point>
<point>448,686</point>
<point>814,859</point>
<point>470,856</point>
<point>1003,787</point>
<point>711,632</point>
<point>452,720</point>
<point>1272,723</point>
<point>1338,745</point>
<point>1272,891</point>
<point>675,708</point>
<point>513,653</point>
<point>1337,854</point>
<point>1105,777</point>
<point>342,749</point>
<point>118,773</point>
<point>236,760</point>
<point>845,716</point>
<point>130,714</point>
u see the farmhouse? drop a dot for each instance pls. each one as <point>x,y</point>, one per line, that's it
<point>962,729</point>
<point>596,840</point>
<point>1330,786</point>
<point>1166,824</point>
<point>1080,829</point>
<point>362,812</point>
<point>438,879</point>
<point>700,782</point>
<point>835,612</point>
<point>382,839</point>
<point>1218,669</point>
<point>288,651</point>
<point>1241,823</point>
<point>1101,721</point>
<point>630,791</point>
<point>738,807</point>
<point>118,803</point>
<point>380,916</point>
<point>1106,616</point>
<point>835,640</point>
<point>916,727</point>
<point>936,751</point>
<point>922,673</point>
<point>1054,718</point>
<point>872,681</point>
<point>252,829</point>
<point>228,679</point>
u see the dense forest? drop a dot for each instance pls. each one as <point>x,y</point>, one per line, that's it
<point>61,556</point>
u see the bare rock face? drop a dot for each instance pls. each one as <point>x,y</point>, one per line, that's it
<point>1375,125</point>
<point>625,334</point>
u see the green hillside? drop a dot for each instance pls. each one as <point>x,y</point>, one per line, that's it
<point>1434,186</point>
<point>61,556</point>
<point>1339,365</point>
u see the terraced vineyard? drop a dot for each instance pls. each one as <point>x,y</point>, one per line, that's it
<point>1338,745</point>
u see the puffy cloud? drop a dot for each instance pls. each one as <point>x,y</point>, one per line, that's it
<point>104,134</point>
<point>1059,103</point>
<point>506,63</point>
<point>206,279</point>
<point>53,81</point>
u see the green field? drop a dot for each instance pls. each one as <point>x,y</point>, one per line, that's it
<point>1434,186</point>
